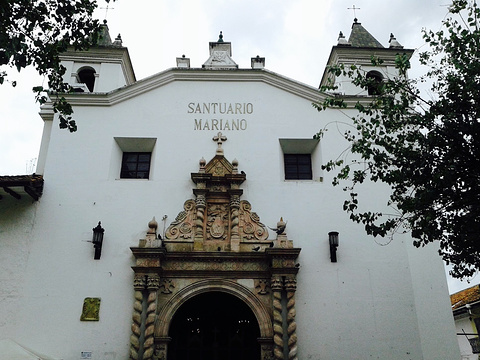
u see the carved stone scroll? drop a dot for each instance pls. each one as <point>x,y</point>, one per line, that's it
<point>182,228</point>
<point>250,226</point>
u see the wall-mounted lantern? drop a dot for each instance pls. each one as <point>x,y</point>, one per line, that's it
<point>97,240</point>
<point>333,241</point>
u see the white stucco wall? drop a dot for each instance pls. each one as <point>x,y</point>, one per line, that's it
<point>463,325</point>
<point>376,302</point>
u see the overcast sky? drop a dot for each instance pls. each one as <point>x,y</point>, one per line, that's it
<point>295,37</point>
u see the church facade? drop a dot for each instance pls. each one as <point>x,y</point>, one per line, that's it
<point>189,218</point>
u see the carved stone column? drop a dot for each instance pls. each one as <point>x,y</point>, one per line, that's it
<point>139,283</point>
<point>234,221</point>
<point>277,286</point>
<point>201,204</point>
<point>153,284</point>
<point>291,286</point>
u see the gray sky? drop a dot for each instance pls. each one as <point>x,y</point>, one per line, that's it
<point>295,37</point>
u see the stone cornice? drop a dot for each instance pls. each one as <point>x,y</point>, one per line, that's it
<point>202,264</point>
<point>161,79</point>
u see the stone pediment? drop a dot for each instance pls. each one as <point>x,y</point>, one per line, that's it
<point>217,219</point>
<point>219,166</point>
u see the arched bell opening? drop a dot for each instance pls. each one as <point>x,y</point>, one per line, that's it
<point>375,82</point>
<point>86,76</point>
<point>214,325</point>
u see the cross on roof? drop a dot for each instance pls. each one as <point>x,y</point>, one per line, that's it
<point>219,139</point>
<point>106,9</point>
<point>354,12</point>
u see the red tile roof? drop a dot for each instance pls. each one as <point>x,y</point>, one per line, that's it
<point>464,297</point>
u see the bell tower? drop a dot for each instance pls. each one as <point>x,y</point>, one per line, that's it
<point>103,68</point>
<point>358,50</point>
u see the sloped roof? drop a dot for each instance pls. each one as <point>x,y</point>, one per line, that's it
<point>359,37</point>
<point>17,185</point>
<point>464,297</point>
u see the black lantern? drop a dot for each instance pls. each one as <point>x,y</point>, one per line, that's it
<point>97,240</point>
<point>333,241</point>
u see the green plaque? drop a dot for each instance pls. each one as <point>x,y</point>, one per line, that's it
<point>91,309</point>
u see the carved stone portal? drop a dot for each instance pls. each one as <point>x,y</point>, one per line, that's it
<point>217,243</point>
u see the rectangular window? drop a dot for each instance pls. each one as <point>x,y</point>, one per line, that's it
<point>298,166</point>
<point>135,165</point>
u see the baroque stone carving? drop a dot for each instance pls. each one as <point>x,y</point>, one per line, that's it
<point>192,265</point>
<point>166,286</point>
<point>136,325</point>
<point>291,286</point>
<point>277,286</point>
<point>217,222</point>
<point>153,283</point>
<point>262,286</point>
<point>160,352</point>
<point>250,226</point>
<point>139,282</point>
<point>267,353</point>
<point>183,225</point>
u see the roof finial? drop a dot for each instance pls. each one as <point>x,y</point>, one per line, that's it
<point>220,37</point>
<point>342,41</point>
<point>354,12</point>
<point>394,44</point>
<point>118,40</point>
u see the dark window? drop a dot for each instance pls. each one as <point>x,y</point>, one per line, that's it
<point>298,166</point>
<point>135,165</point>
<point>375,82</point>
<point>87,77</point>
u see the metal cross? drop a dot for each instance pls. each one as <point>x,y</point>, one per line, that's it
<point>106,10</point>
<point>354,12</point>
<point>219,139</point>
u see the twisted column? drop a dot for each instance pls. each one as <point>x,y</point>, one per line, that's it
<point>291,286</point>
<point>139,283</point>
<point>201,204</point>
<point>153,284</point>
<point>234,221</point>
<point>234,206</point>
<point>276,286</point>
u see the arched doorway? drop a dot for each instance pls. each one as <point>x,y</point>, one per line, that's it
<point>214,325</point>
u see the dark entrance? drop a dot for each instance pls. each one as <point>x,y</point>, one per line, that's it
<point>214,326</point>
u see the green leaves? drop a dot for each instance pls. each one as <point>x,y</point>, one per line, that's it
<point>35,32</point>
<point>426,151</point>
